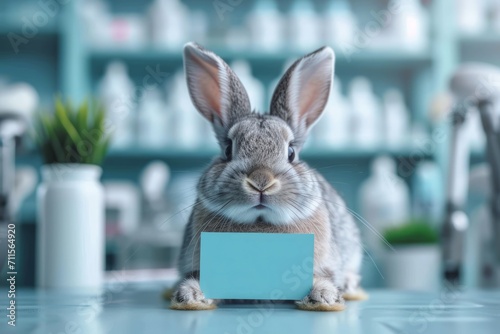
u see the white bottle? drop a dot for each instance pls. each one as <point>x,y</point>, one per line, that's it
<point>411,24</point>
<point>339,24</point>
<point>471,16</point>
<point>97,22</point>
<point>333,130</point>
<point>128,31</point>
<point>154,180</point>
<point>199,26</point>
<point>169,23</point>
<point>266,26</point>
<point>117,92</point>
<point>396,119</point>
<point>152,120</point>
<point>304,26</point>
<point>20,98</point>
<point>253,86</point>
<point>384,200</point>
<point>366,125</point>
<point>183,125</point>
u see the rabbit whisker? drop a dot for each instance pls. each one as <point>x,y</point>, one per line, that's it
<point>356,215</point>
<point>373,261</point>
<point>197,234</point>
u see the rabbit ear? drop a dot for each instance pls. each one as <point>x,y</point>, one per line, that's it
<point>215,90</point>
<point>302,93</point>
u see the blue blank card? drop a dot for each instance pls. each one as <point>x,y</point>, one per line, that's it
<point>256,265</point>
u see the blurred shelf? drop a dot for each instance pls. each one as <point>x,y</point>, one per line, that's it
<point>365,58</point>
<point>10,25</point>
<point>483,38</point>
<point>361,153</point>
<point>163,153</point>
<point>308,153</point>
<point>200,154</point>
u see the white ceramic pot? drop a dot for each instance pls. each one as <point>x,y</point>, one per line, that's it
<point>413,267</point>
<point>70,236</point>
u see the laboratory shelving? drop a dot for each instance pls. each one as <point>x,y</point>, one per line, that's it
<point>374,59</point>
<point>309,153</point>
<point>78,67</point>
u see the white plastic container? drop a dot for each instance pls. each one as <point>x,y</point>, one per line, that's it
<point>384,200</point>
<point>152,120</point>
<point>96,20</point>
<point>396,119</point>
<point>169,23</point>
<point>117,92</point>
<point>411,25</point>
<point>333,130</point>
<point>366,121</point>
<point>127,31</point>
<point>471,16</point>
<point>339,24</point>
<point>199,26</point>
<point>413,267</point>
<point>20,98</point>
<point>304,26</point>
<point>266,26</point>
<point>70,236</point>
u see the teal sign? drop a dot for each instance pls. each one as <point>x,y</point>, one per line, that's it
<point>256,265</point>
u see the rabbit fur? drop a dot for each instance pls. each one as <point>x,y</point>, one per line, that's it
<point>259,184</point>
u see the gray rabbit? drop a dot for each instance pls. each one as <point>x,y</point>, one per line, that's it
<point>259,184</point>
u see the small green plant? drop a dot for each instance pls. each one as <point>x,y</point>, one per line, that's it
<point>414,232</point>
<point>73,135</point>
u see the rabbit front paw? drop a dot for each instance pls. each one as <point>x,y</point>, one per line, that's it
<point>324,296</point>
<point>190,297</point>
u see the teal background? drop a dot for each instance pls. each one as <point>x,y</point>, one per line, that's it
<point>256,265</point>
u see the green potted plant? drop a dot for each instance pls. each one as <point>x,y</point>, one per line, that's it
<point>414,263</point>
<point>70,199</point>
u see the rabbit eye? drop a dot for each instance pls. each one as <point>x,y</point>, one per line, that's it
<point>291,154</point>
<point>229,150</point>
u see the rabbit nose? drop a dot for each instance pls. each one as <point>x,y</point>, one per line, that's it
<point>262,181</point>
